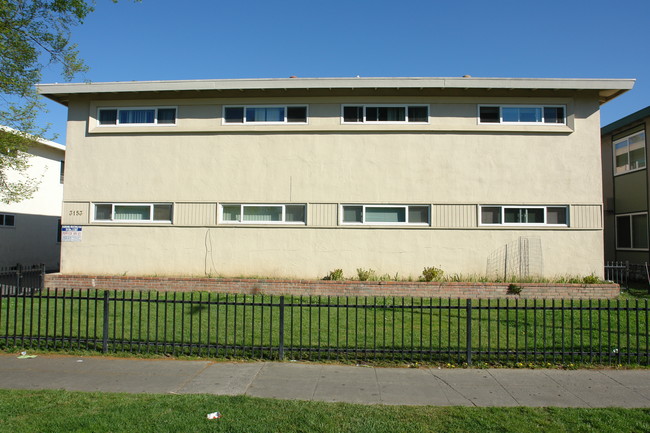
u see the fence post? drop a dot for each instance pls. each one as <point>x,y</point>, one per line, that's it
<point>42,277</point>
<point>105,330</point>
<point>469,331</point>
<point>281,336</point>
<point>19,276</point>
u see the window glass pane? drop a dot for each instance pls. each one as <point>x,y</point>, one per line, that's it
<point>352,214</point>
<point>234,114</point>
<point>385,215</point>
<point>296,114</point>
<point>636,145</point>
<point>640,231</point>
<point>294,213</point>
<point>392,114</point>
<point>2,219</point>
<point>353,114</point>
<point>166,115</point>
<point>385,114</point>
<point>530,114</point>
<point>372,114</point>
<point>133,212</point>
<point>418,114</point>
<point>556,215</point>
<point>623,232</point>
<point>514,215</point>
<point>262,213</point>
<point>553,115</point>
<point>103,212</point>
<point>418,214</point>
<point>521,114</point>
<point>265,114</point>
<point>137,116</point>
<point>107,117</point>
<point>9,220</point>
<point>231,213</point>
<point>489,115</point>
<point>535,216</point>
<point>490,215</point>
<point>162,212</point>
<point>621,156</point>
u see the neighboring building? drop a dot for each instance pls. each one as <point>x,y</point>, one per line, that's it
<point>297,177</point>
<point>625,188</point>
<point>30,230</point>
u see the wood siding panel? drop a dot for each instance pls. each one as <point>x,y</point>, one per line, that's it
<point>586,216</point>
<point>453,215</point>
<point>195,214</point>
<point>322,214</point>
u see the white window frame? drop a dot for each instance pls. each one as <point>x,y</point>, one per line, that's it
<point>501,122</point>
<point>630,215</point>
<point>149,221</point>
<point>243,205</point>
<point>627,137</point>
<point>373,223</point>
<point>503,216</point>
<point>3,225</point>
<point>244,107</point>
<point>381,122</point>
<point>126,125</point>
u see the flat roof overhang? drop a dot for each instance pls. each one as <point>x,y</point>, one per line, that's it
<point>606,88</point>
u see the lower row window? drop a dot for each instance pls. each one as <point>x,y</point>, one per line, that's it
<point>7,220</point>
<point>385,214</point>
<point>263,213</point>
<point>128,212</point>
<point>529,215</point>
<point>632,231</point>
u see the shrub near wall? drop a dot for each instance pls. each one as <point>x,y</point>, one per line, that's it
<point>336,288</point>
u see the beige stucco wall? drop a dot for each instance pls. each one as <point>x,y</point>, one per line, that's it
<point>312,253</point>
<point>452,163</point>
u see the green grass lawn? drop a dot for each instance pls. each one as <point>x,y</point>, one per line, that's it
<point>62,411</point>
<point>371,329</point>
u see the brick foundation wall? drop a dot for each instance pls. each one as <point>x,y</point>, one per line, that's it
<point>333,288</point>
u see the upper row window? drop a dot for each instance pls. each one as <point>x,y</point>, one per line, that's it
<point>385,113</point>
<point>522,114</point>
<point>137,116</point>
<point>6,220</point>
<point>270,114</point>
<point>629,153</point>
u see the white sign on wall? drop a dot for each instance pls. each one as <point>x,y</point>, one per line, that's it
<point>71,234</point>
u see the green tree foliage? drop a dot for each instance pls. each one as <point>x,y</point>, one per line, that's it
<point>34,34</point>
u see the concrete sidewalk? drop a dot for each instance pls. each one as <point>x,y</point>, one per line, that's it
<point>333,383</point>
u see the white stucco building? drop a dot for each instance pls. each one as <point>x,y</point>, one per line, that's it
<point>30,229</point>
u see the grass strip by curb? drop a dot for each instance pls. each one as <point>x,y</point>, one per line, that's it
<point>58,411</point>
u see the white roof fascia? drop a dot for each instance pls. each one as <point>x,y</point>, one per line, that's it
<point>41,141</point>
<point>607,87</point>
<point>325,83</point>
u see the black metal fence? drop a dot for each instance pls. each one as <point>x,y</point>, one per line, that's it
<point>405,330</point>
<point>624,272</point>
<point>21,279</point>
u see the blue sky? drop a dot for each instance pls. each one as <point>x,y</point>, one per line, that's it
<point>203,39</point>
